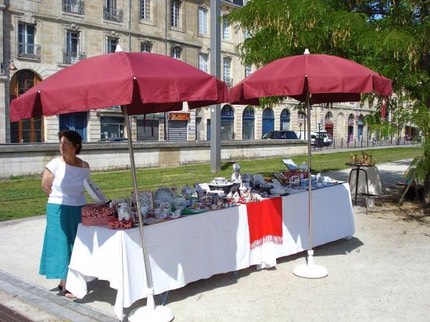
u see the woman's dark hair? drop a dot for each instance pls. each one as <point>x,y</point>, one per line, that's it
<point>73,137</point>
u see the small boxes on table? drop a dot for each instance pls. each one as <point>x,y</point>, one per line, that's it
<point>97,214</point>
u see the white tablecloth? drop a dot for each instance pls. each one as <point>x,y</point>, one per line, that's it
<point>373,182</point>
<point>196,247</point>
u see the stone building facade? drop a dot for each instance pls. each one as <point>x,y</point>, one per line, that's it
<point>40,37</point>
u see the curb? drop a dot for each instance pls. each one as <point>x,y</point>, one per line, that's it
<point>33,299</point>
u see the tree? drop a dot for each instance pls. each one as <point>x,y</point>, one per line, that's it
<point>387,36</point>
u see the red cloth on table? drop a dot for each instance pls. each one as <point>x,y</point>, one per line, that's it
<point>265,221</point>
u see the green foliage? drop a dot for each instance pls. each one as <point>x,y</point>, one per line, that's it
<point>390,37</point>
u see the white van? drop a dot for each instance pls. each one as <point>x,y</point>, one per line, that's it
<point>324,136</point>
<point>303,136</point>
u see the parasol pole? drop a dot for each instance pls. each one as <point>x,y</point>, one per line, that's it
<point>309,270</point>
<point>150,312</point>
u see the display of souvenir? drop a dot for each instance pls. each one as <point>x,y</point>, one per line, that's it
<point>290,164</point>
<point>163,194</point>
<point>97,214</point>
<point>124,212</point>
<point>94,191</point>
<point>166,204</point>
<point>188,191</point>
<point>236,177</point>
<point>162,209</point>
<point>145,199</point>
<point>114,223</point>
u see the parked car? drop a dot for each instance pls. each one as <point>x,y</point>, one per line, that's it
<point>283,134</point>
<point>324,137</point>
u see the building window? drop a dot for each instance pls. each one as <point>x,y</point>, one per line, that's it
<point>26,41</point>
<point>285,119</point>
<point>268,120</point>
<point>204,62</point>
<point>301,120</point>
<point>111,44</point>
<point>148,127</point>
<point>203,21</point>
<point>248,70</point>
<point>248,121</point>
<point>145,9</point>
<point>74,6</point>
<point>112,127</point>
<point>111,13</point>
<point>175,10</point>
<point>146,47</point>
<point>225,30</point>
<point>76,122</point>
<point>227,123</point>
<point>227,71</point>
<point>29,130</point>
<point>301,115</point>
<point>176,52</point>
<point>72,50</point>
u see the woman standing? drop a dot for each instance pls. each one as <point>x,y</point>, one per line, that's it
<point>63,182</point>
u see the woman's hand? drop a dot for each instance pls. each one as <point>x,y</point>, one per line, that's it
<point>47,180</point>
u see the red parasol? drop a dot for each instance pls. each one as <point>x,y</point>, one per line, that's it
<point>144,82</point>
<point>326,78</point>
<point>141,83</point>
<point>311,79</point>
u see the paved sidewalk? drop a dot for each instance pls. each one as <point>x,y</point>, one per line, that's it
<point>224,297</point>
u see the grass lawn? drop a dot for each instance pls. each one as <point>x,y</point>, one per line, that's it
<point>23,197</point>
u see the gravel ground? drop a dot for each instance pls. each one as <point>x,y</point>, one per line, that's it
<point>381,274</point>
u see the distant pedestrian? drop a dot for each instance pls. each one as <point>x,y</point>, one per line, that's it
<point>63,182</point>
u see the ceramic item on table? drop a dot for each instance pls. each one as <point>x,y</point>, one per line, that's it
<point>175,214</point>
<point>220,181</point>
<point>187,191</point>
<point>144,210</point>
<point>145,199</point>
<point>206,199</point>
<point>294,181</point>
<point>161,214</point>
<point>124,212</point>
<point>163,194</point>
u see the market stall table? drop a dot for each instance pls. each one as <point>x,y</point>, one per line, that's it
<point>199,246</point>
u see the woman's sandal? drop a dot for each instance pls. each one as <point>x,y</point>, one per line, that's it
<point>66,293</point>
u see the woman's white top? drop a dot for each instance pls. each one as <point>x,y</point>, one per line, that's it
<point>68,185</point>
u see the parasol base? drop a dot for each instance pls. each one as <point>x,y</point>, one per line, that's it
<point>157,314</point>
<point>150,312</point>
<point>310,270</point>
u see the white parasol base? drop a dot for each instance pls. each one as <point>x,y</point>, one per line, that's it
<point>150,312</point>
<point>310,270</point>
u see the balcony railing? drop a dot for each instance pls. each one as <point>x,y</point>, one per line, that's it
<point>71,58</point>
<point>112,14</point>
<point>74,6</point>
<point>29,51</point>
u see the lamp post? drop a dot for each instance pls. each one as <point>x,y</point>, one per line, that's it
<point>9,65</point>
<point>300,131</point>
